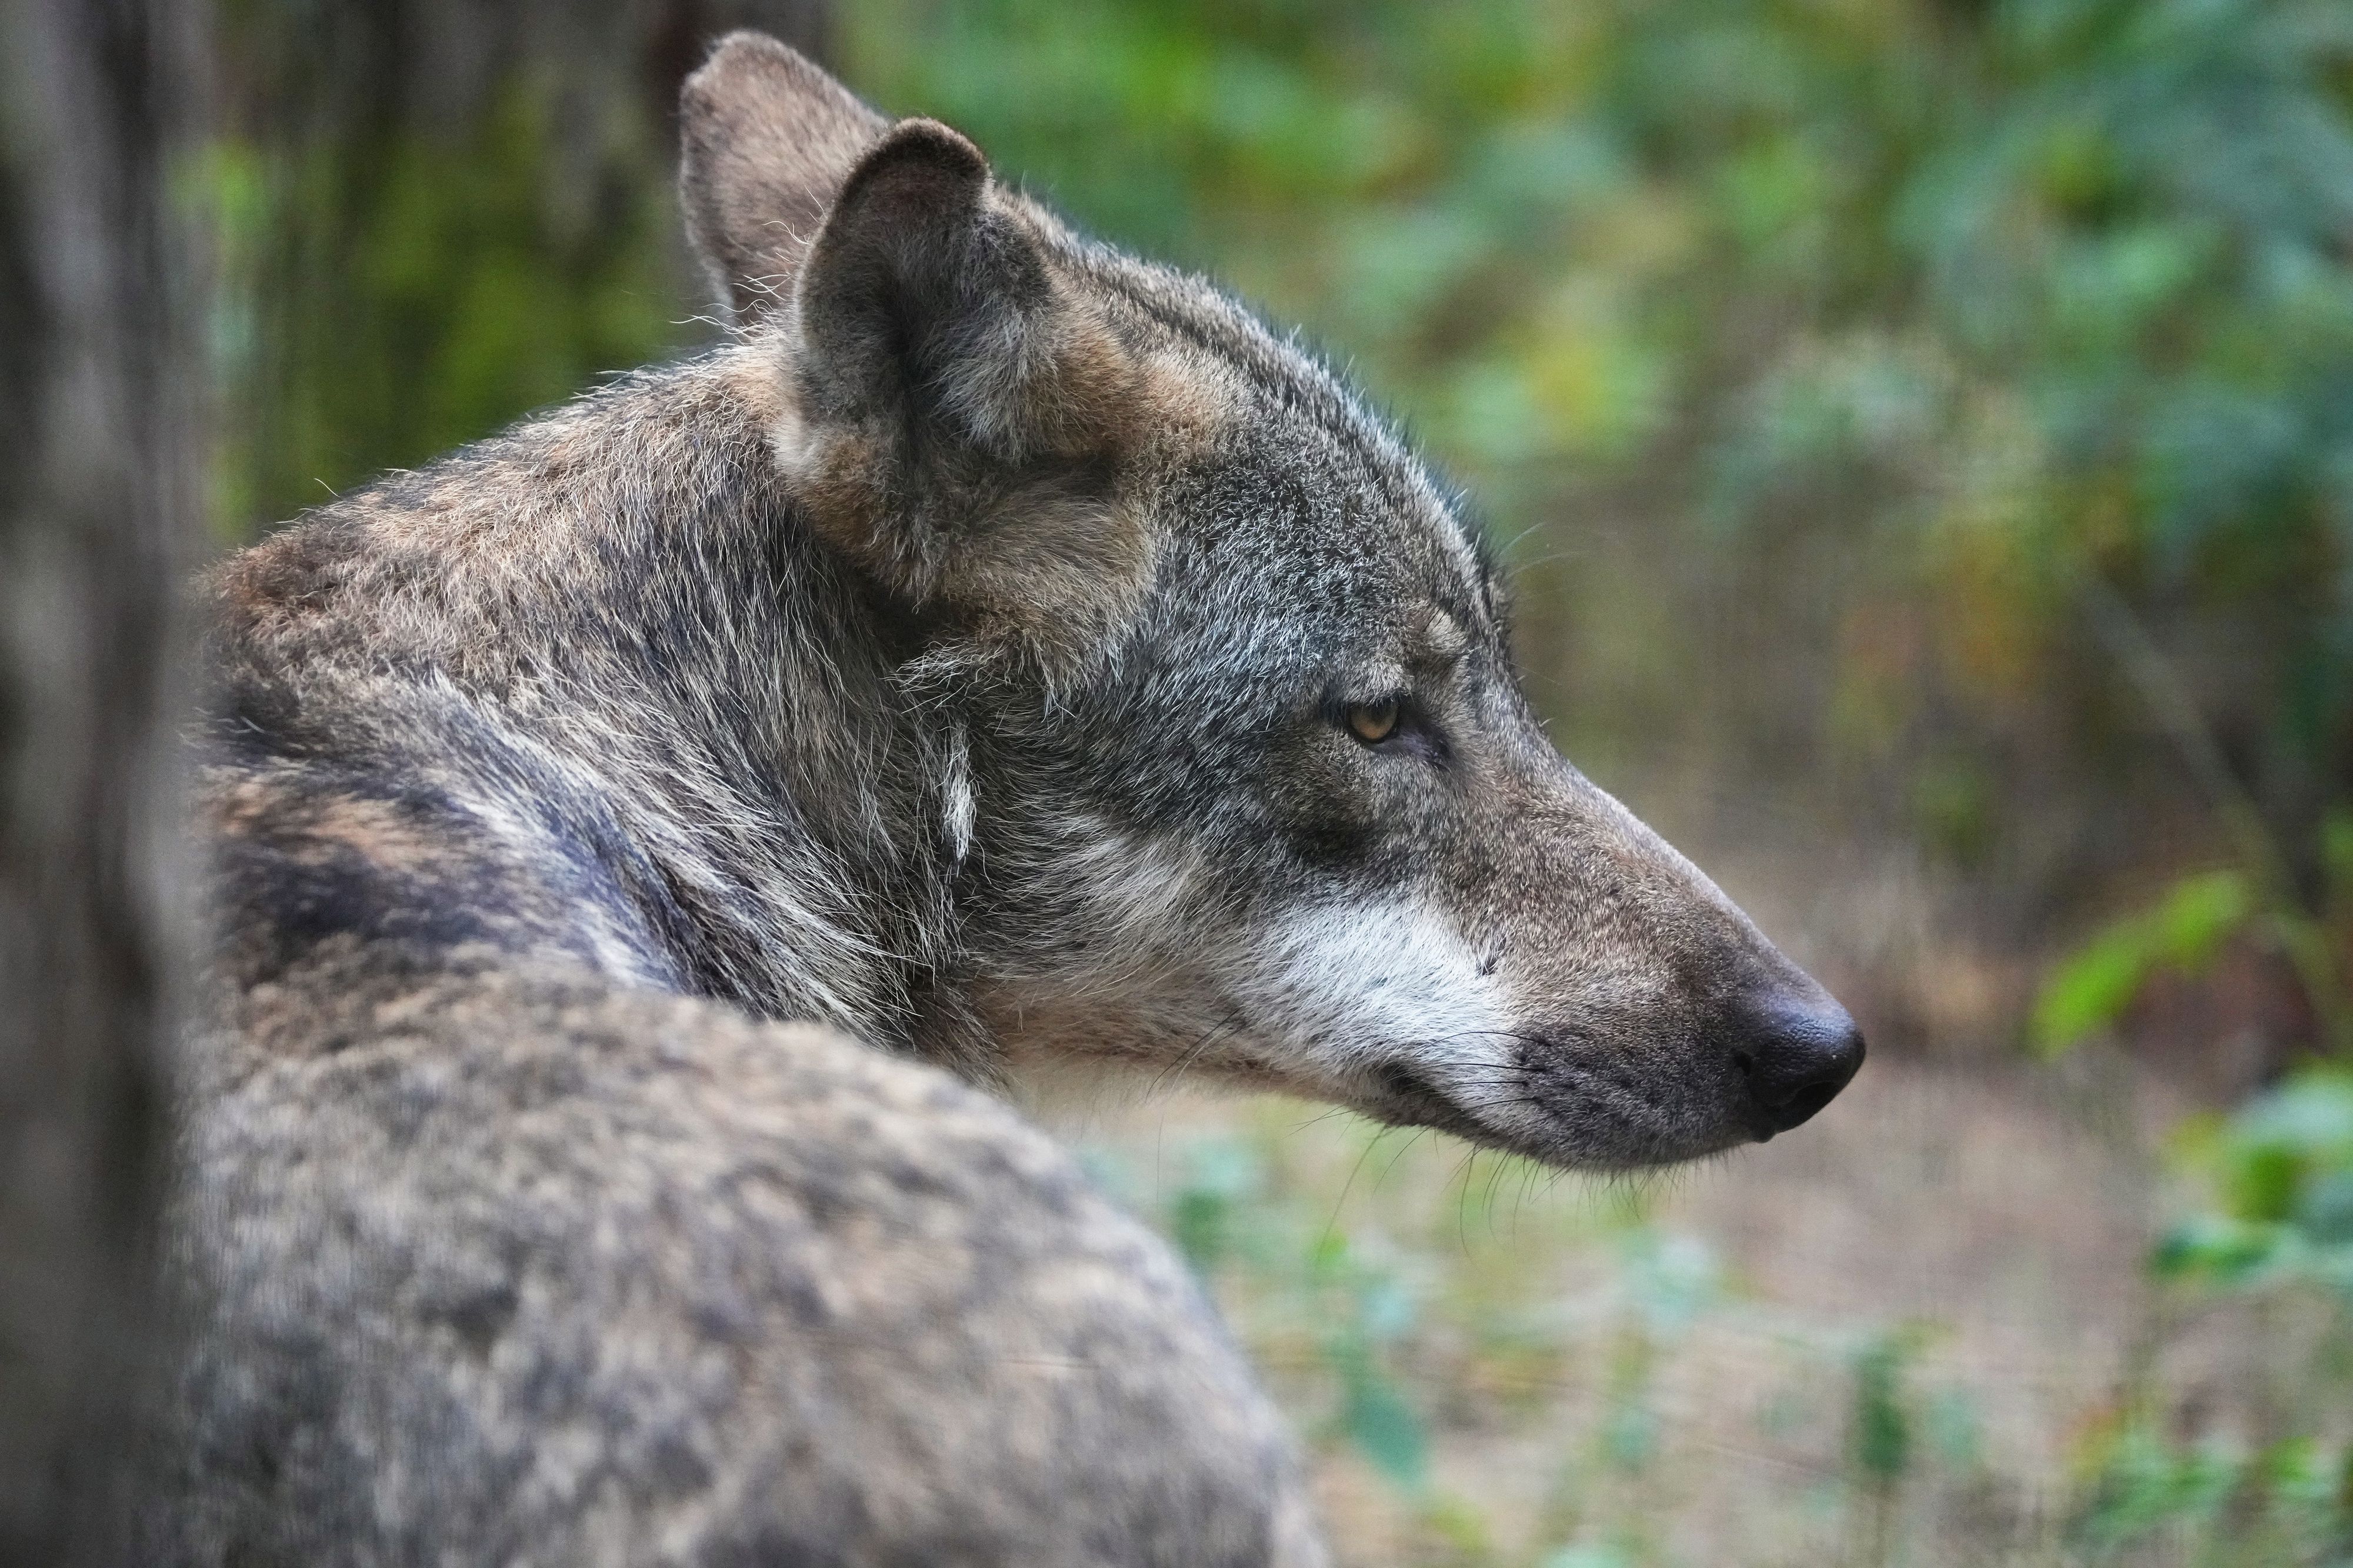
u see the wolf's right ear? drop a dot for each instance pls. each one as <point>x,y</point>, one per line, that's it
<point>766,140</point>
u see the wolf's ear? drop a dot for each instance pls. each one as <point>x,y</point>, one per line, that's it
<point>962,402</point>
<point>766,140</point>
<point>928,301</point>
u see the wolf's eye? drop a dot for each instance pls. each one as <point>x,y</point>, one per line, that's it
<point>1373,722</point>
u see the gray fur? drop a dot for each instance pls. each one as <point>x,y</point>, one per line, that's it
<point>961,660</point>
<point>520,1268</point>
<point>766,137</point>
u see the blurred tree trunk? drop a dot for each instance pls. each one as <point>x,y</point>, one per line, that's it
<point>97,516</point>
<point>101,503</point>
<point>442,214</point>
<point>303,69</point>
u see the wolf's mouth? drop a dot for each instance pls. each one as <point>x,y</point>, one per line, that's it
<point>1628,1135</point>
<point>1402,1096</point>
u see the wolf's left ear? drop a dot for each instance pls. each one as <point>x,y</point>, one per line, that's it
<point>766,139</point>
<point>929,309</point>
<point>963,402</point>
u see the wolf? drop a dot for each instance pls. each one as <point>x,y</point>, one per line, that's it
<point>648,847</point>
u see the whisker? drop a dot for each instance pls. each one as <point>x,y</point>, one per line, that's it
<point>1332,1223</point>
<point>1462,1203</point>
<point>1399,1155</point>
<point>1487,1199</point>
<point>1230,1024</point>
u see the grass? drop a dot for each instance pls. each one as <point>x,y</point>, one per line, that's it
<point>1922,1330</point>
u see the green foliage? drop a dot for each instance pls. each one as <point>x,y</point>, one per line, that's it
<point>2091,989</point>
<point>1224,1215</point>
<point>1374,1310</point>
<point>2286,1505</point>
<point>2280,1170</point>
<point>390,295</point>
<point>1221,1179</point>
<point>1881,1445</point>
<point>2124,213</point>
<point>2140,1483</point>
<point>2277,1174</point>
<point>1357,1309</point>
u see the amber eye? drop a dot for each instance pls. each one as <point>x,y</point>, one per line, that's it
<point>1373,722</point>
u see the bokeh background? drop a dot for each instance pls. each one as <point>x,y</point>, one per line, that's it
<point>1921,432</point>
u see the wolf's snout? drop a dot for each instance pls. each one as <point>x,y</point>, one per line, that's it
<point>1796,1054</point>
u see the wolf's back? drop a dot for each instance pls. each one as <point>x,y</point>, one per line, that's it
<point>505,1267</point>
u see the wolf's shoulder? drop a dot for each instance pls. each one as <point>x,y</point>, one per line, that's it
<point>531,499</point>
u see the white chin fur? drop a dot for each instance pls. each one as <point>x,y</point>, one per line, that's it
<point>1317,1000</point>
<point>1344,988</point>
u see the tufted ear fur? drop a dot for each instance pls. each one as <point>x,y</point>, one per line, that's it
<point>962,399</point>
<point>766,140</point>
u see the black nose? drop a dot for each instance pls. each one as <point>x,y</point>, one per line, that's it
<point>1797,1053</point>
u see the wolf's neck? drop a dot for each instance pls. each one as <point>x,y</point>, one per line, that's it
<point>757,744</point>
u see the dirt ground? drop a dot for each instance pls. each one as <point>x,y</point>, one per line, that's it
<point>1672,1371</point>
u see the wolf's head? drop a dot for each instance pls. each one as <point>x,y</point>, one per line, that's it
<point>1236,773</point>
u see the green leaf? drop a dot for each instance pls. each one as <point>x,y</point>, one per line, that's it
<point>2227,1251</point>
<point>1384,1426</point>
<point>1882,1440</point>
<point>2337,852</point>
<point>2092,988</point>
<point>2199,915</point>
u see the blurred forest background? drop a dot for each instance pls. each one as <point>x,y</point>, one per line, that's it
<point>1922,432</point>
